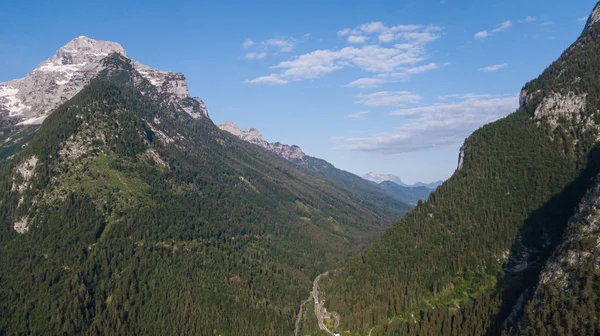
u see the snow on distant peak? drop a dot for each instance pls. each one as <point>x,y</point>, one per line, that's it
<point>378,178</point>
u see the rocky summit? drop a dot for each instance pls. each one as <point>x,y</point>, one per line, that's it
<point>29,100</point>
<point>252,135</point>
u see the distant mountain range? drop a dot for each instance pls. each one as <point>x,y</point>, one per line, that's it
<point>379,178</point>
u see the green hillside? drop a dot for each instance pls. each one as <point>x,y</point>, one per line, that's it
<point>137,219</point>
<point>456,264</point>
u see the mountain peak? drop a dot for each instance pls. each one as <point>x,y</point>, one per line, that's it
<point>250,135</point>
<point>253,135</point>
<point>594,17</point>
<point>378,178</point>
<point>29,100</point>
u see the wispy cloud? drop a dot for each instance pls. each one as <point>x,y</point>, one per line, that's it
<point>530,19</point>
<point>408,51</point>
<point>503,26</point>
<point>262,49</point>
<point>248,44</point>
<point>255,55</point>
<point>365,83</point>
<point>358,115</point>
<point>282,44</point>
<point>482,34</point>
<point>492,68</point>
<point>400,74</point>
<point>499,28</point>
<point>272,80</point>
<point>583,19</point>
<point>388,98</point>
<point>357,39</point>
<point>439,125</point>
<point>387,34</point>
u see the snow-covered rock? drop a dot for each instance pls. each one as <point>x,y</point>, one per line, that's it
<point>29,100</point>
<point>252,135</point>
<point>378,178</point>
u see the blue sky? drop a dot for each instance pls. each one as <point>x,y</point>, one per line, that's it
<point>385,86</point>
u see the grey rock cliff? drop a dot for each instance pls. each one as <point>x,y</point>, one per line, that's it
<point>29,100</point>
<point>252,135</point>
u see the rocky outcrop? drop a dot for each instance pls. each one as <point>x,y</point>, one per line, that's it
<point>252,135</point>
<point>580,243</point>
<point>461,158</point>
<point>29,100</point>
<point>594,17</point>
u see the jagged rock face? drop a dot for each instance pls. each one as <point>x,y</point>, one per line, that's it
<point>252,135</point>
<point>594,17</point>
<point>557,105</point>
<point>580,245</point>
<point>461,158</point>
<point>29,100</point>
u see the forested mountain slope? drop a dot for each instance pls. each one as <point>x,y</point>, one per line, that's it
<point>315,167</point>
<point>125,214</point>
<point>468,260</point>
<point>357,185</point>
<point>411,194</point>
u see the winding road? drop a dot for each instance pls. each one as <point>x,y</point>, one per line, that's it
<point>319,307</point>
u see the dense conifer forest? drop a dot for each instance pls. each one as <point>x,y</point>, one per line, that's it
<point>458,263</point>
<point>132,232</point>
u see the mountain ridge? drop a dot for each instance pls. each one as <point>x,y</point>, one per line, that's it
<point>119,185</point>
<point>29,100</point>
<point>379,178</point>
<point>312,166</point>
<point>469,260</point>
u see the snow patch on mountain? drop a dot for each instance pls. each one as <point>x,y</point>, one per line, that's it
<point>378,178</point>
<point>29,100</point>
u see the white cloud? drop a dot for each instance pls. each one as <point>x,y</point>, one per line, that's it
<point>248,44</point>
<point>365,83</point>
<point>388,98</point>
<point>439,125</point>
<point>270,79</point>
<point>482,34</point>
<point>416,33</point>
<point>530,19</point>
<point>421,69</point>
<point>373,27</point>
<point>503,26</point>
<point>344,32</point>
<point>492,68</point>
<point>283,45</point>
<point>400,74</point>
<point>262,49</point>
<point>408,51</point>
<point>465,96</point>
<point>499,28</point>
<point>358,115</point>
<point>583,19</point>
<point>356,39</point>
<point>255,55</point>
